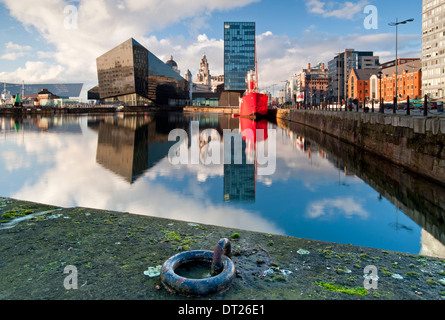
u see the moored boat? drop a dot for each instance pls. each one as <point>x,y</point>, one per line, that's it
<point>253,103</point>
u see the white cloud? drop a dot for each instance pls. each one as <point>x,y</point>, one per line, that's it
<point>35,72</point>
<point>342,10</point>
<point>14,51</point>
<point>102,25</point>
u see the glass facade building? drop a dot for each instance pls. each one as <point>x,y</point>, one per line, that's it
<point>130,74</point>
<point>239,54</point>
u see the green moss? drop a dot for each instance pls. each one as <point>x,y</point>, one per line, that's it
<point>235,236</point>
<point>412,274</point>
<point>172,236</point>
<point>341,271</point>
<point>385,271</point>
<point>357,291</point>
<point>15,213</point>
<point>9,215</point>
<point>327,253</point>
<point>364,256</point>
<point>431,282</point>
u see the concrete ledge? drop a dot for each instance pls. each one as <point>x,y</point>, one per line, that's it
<point>111,250</point>
<point>419,125</point>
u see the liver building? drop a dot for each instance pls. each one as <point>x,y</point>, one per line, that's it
<point>203,77</point>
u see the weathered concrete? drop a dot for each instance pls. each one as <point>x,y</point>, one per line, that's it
<point>111,251</point>
<point>416,143</point>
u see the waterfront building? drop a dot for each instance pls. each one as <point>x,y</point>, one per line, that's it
<point>130,74</point>
<point>433,49</point>
<point>217,81</point>
<point>239,54</point>
<point>203,77</point>
<point>409,82</point>
<point>400,61</point>
<point>340,69</point>
<point>62,90</point>
<point>359,84</point>
<point>172,63</point>
<point>293,88</point>
<point>313,82</point>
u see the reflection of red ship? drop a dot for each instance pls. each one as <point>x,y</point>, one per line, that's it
<point>249,132</point>
<point>253,103</point>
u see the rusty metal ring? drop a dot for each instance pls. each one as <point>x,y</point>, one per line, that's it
<point>196,287</point>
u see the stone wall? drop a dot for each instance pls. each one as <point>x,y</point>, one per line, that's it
<point>416,143</point>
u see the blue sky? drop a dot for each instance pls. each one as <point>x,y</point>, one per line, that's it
<point>40,43</point>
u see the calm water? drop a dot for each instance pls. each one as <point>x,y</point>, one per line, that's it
<point>321,189</point>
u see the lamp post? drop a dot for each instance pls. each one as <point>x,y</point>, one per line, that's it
<point>381,110</point>
<point>396,24</point>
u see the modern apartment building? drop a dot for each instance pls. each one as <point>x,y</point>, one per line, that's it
<point>433,49</point>
<point>340,69</point>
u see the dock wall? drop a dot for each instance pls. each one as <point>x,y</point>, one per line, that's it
<point>416,143</point>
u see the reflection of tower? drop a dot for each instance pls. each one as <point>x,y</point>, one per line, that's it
<point>123,148</point>
<point>240,179</point>
<point>132,145</point>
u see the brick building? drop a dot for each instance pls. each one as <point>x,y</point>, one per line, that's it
<point>359,84</point>
<point>313,82</point>
<point>409,82</point>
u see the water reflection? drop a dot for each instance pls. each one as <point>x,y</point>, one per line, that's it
<point>129,146</point>
<point>322,189</point>
<point>413,197</point>
<point>240,179</point>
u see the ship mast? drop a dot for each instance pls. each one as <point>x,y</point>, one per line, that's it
<point>256,69</point>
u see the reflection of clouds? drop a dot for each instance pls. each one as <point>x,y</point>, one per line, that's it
<point>75,179</point>
<point>294,163</point>
<point>14,161</point>
<point>327,208</point>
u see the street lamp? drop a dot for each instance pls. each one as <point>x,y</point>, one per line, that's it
<point>395,24</point>
<point>380,95</point>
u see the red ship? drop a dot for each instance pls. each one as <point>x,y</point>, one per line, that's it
<point>253,104</point>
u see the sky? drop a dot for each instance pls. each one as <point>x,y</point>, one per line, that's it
<point>53,41</point>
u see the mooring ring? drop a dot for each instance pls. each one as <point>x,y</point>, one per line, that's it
<point>196,287</point>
